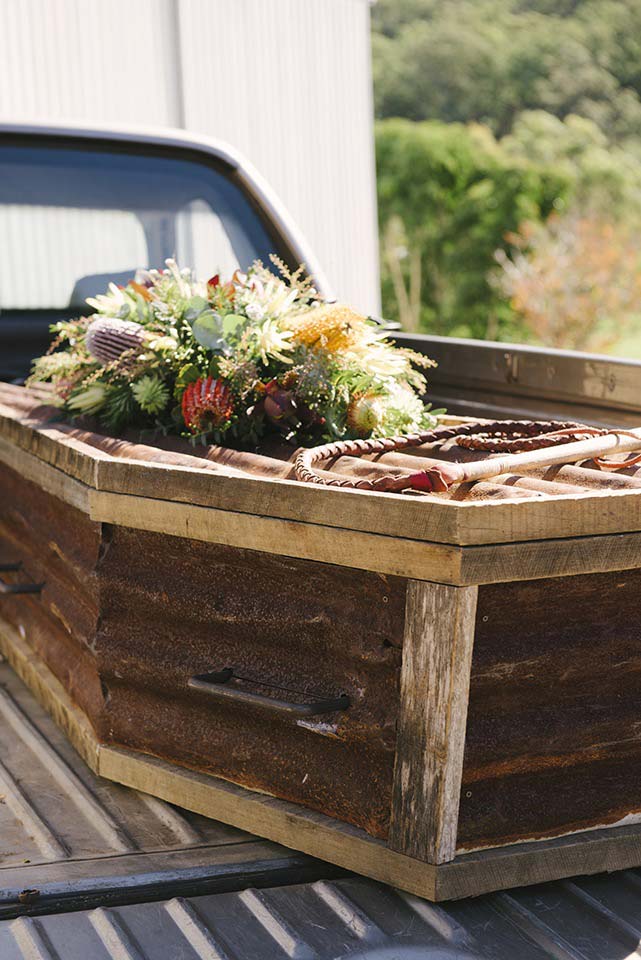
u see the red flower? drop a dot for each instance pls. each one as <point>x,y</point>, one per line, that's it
<point>206,402</point>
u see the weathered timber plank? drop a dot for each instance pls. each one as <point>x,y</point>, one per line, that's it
<point>414,559</point>
<point>215,484</point>
<point>581,854</point>
<point>52,444</point>
<point>534,560</point>
<point>394,556</point>
<point>417,559</point>
<point>49,478</point>
<point>50,693</point>
<point>440,520</point>
<point>435,676</point>
<point>429,518</point>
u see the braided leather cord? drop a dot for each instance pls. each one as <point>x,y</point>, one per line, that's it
<point>498,436</point>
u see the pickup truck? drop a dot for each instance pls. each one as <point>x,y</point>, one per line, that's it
<point>92,870</point>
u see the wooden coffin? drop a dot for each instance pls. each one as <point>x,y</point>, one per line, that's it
<point>440,691</point>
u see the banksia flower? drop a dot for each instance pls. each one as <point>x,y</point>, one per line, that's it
<point>108,338</point>
<point>364,414</point>
<point>333,327</point>
<point>206,402</point>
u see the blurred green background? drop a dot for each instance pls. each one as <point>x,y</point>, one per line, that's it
<point>509,169</point>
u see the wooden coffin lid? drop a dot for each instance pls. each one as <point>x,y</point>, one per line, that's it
<point>560,520</point>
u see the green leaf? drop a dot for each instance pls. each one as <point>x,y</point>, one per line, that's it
<point>233,324</point>
<point>188,374</point>
<point>195,307</point>
<point>208,331</point>
<point>141,307</point>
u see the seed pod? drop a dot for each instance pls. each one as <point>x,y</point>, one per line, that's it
<point>364,414</point>
<point>280,407</point>
<point>107,338</point>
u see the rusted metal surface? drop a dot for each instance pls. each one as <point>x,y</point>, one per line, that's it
<point>172,608</point>
<point>59,546</point>
<point>127,617</point>
<point>553,739</point>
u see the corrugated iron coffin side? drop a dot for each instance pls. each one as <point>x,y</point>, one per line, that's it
<point>127,617</point>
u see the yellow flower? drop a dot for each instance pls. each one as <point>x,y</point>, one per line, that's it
<point>334,327</point>
<point>338,329</point>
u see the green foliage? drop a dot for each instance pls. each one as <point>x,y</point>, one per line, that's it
<point>120,408</point>
<point>604,177</point>
<point>151,394</point>
<point>455,194</point>
<point>488,60</point>
<point>520,108</point>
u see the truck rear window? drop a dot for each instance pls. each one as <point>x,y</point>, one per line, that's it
<point>73,219</point>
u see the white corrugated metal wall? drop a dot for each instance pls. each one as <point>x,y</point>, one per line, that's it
<point>287,82</point>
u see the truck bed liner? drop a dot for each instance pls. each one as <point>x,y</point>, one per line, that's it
<point>70,839</point>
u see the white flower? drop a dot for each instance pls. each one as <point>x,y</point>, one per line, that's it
<point>182,278</point>
<point>269,298</point>
<point>108,303</point>
<point>164,344</point>
<point>255,311</point>
<point>379,359</point>
<point>273,342</point>
<point>403,409</point>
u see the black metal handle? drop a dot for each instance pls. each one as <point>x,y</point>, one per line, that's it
<point>214,684</point>
<point>13,588</point>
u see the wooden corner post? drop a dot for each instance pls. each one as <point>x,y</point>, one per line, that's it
<point>435,681</point>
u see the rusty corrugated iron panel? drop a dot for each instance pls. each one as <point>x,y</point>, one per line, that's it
<point>295,629</point>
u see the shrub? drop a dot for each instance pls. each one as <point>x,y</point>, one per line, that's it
<point>447,195</point>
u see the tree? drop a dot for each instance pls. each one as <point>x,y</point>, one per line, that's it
<point>523,109</point>
<point>447,196</point>
<point>604,178</point>
<point>489,60</point>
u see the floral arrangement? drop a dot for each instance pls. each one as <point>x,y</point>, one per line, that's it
<point>229,362</point>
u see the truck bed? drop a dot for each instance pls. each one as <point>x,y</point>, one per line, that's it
<point>90,870</point>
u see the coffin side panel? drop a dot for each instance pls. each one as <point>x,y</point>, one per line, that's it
<point>58,546</point>
<point>173,608</point>
<point>553,734</point>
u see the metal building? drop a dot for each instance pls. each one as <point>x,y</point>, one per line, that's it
<point>286,82</point>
